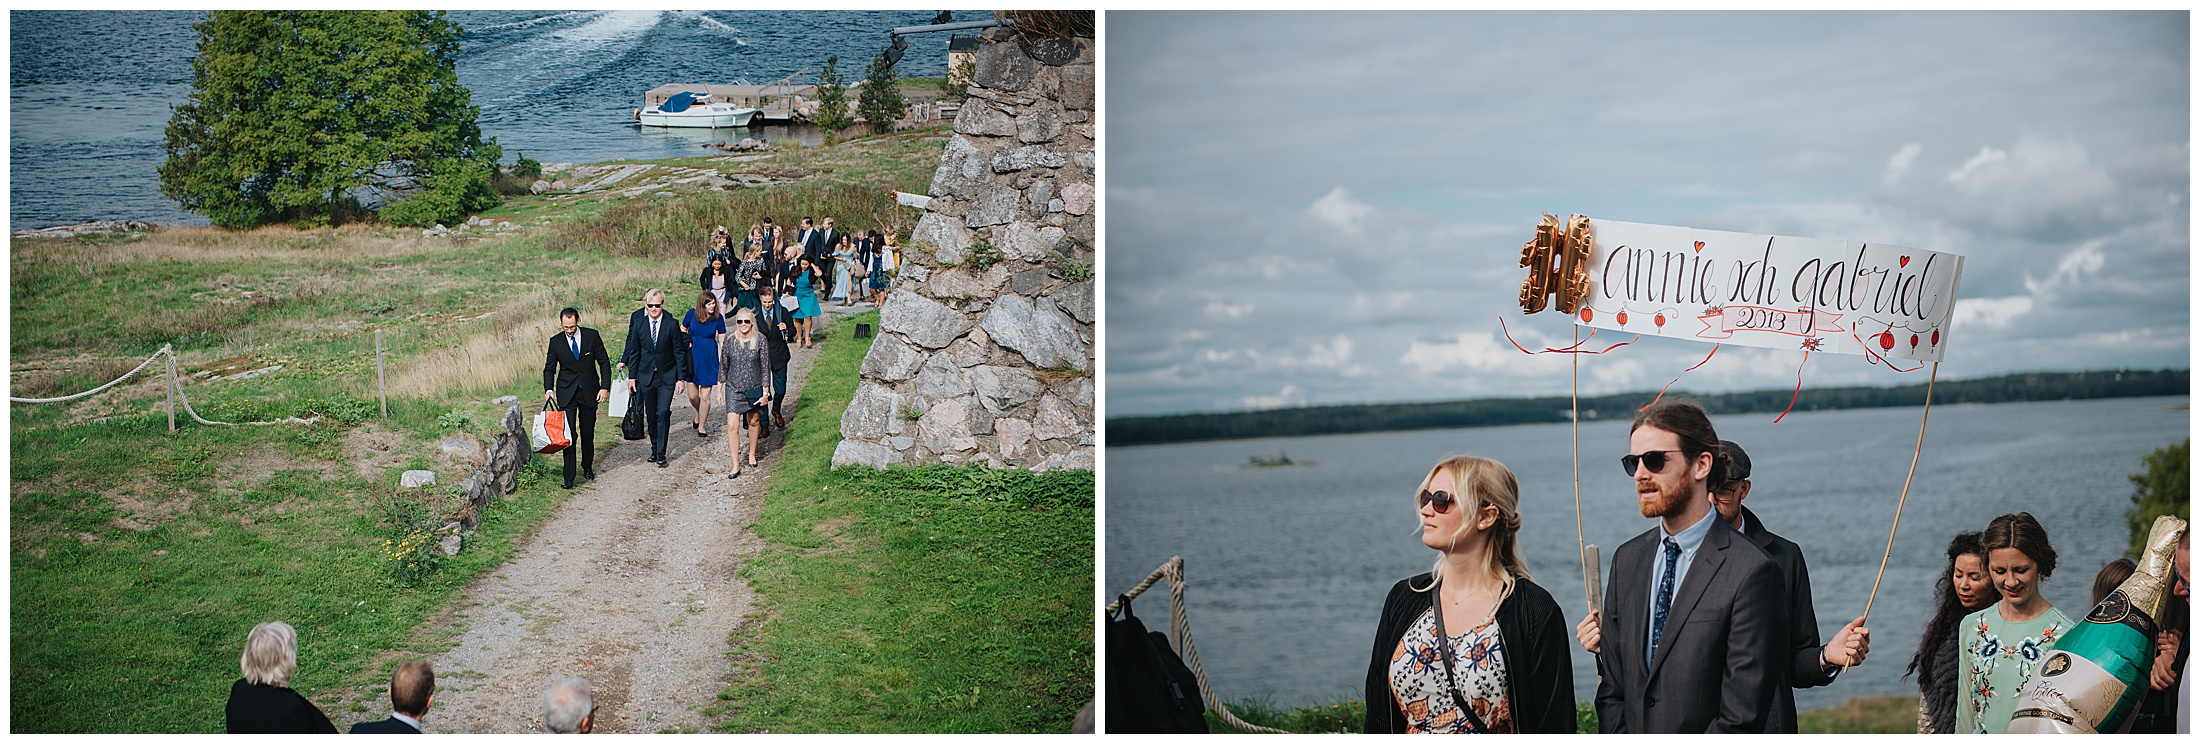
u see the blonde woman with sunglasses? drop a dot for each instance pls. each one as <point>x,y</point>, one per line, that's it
<point>744,364</point>
<point>1472,646</point>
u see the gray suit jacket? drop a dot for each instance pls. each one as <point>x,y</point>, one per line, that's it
<point>1722,657</point>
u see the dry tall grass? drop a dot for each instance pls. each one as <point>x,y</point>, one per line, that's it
<point>263,244</point>
<point>514,338</point>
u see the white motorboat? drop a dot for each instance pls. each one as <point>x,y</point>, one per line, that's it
<point>695,110</point>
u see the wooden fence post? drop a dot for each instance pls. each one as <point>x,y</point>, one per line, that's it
<point>378,384</point>
<point>172,383</point>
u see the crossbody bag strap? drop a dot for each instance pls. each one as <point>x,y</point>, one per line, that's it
<point>1451,678</point>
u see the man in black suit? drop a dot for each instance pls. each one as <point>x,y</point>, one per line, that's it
<point>412,690</point>
<point>771,253</point>
<point>824,258</point>
<point>1693,635</point>
<point>574,371</point>
<point>772,322</point>
<point>657,359</point>
<point>1808,664</point>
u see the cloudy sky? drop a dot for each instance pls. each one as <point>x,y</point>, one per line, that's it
<point>1312,208</point>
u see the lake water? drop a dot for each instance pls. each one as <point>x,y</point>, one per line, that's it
<point>1288,567</point>
<point>89,91</point>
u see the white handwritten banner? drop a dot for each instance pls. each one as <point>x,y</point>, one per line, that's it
<point>1771,291</point>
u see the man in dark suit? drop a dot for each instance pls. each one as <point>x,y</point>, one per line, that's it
<point>574,371</point>
<point>412,690</point>
<point>772,322</point>
<point>823,259</point>
<point>1809,664</point>
<point>657,358</point>
<point>771,253</point>
<point>1693,635</point>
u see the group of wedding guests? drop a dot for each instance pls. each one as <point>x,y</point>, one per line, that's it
<point>1706,623</point>
<point>730,350</point>
<point>264,703</point>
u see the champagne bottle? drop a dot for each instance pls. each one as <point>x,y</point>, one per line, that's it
<point>2097,673</point>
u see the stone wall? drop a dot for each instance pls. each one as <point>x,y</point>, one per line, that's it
<point>985,349</point>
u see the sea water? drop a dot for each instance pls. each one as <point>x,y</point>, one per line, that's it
<point>90,91</point>
<point>1288,566</point>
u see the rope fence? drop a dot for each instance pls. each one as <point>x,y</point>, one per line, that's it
<point>174,391</point>
<point>1180,631</point>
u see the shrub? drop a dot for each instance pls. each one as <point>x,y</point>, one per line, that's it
<point>456,189</point>
<point>2165,488</point>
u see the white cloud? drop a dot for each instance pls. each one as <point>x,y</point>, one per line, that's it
<point>1339,210</point>
<point>1989,312</point>
<point>1470,351</point>
<point>1900,163</point>
<point>1289,395</point>
<point>1986,156</point>
<point>1337,354</point>
<point>1228,309</point>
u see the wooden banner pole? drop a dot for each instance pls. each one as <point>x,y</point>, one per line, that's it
<point>1921,419</point>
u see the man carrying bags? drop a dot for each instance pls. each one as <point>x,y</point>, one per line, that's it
<point>573,372</point>
<point>656,359</point>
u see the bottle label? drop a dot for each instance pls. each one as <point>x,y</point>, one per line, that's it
<point>2070,694</point>
<point>2117,609</point>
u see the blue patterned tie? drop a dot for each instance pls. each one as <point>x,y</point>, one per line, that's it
<point>1665,600</point>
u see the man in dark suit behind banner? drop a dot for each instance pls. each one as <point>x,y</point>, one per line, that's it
<point>575,370</point>
<point>1693,634</point>
<point>412,690</point>
<point>656,358</point>
<point>1808,663</point>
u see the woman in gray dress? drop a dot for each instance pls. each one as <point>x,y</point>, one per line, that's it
<point>745,373</point>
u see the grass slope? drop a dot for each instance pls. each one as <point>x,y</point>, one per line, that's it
<point>935,599</point>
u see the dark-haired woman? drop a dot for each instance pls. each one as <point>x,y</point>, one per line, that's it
<point>717,279</point>
<point>2004,644</point>
<point>1472,646</point>
<point>1963,589</point>
<point>750,276</point>
<point>704,327</point>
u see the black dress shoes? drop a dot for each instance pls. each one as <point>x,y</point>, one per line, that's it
<point>661,462</point>
<point>566,485</point>
<point>588,473</point>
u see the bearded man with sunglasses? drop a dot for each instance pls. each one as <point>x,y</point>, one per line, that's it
<point>1694,631</point>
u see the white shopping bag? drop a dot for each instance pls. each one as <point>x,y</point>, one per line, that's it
<point>618,395</point>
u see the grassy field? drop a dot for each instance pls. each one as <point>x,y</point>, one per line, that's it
<point>141,557</point>
<point>935,599</point>
<point>1862,715</point>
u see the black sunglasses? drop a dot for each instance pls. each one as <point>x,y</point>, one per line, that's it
<point>660,304</point>
<point>1441,499</point>
<point>742,321</point>
<point>1654,459</point>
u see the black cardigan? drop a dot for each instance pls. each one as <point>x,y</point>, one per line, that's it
<point>1539,675</point>
<point>267,709</point>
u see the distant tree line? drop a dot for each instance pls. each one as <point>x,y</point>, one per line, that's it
<point>1346,419</point>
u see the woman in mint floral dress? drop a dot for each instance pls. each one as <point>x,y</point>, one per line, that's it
<point>2004,644</point>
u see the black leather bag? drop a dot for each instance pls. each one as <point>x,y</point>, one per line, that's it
<point>1150,690</point>
<point>631,426</point>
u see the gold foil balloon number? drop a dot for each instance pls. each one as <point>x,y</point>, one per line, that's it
<point>1557,260</point>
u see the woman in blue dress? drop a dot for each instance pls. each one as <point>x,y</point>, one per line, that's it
<point>704,326</point>
<point>806,297</point>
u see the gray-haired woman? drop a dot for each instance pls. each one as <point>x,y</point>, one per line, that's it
<point>744,366</point>
<point>262,702</point>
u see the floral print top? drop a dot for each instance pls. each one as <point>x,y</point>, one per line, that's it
<point>1999,656</point>
<point>1417,679</point>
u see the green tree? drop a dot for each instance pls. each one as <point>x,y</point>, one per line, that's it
<point>2165,488</point>
<point>292,110</point>
<point>879,99</point>
<point>832,97</point>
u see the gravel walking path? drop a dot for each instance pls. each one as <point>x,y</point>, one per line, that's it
<point>633,585</point>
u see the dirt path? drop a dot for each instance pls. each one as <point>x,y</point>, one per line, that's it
<point>631,585</point>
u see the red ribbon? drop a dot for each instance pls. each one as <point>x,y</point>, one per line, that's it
<point>1574,349</point>
<point>1874,356</point>
<point>1677,378</point>
<point>1798,387</point>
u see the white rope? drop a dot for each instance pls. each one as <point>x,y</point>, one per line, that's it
<point>118,381</point>
<point>1182,630</point>
<point>176,384</point>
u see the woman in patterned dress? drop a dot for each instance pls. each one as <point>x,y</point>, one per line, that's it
<point>1963,590</point>
<point>2003,644</point>
<point>1509,663</point>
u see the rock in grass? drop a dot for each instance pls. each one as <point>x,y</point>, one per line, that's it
<point>450,544</point>
<point>506,400</point>
<point>416,478</point>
